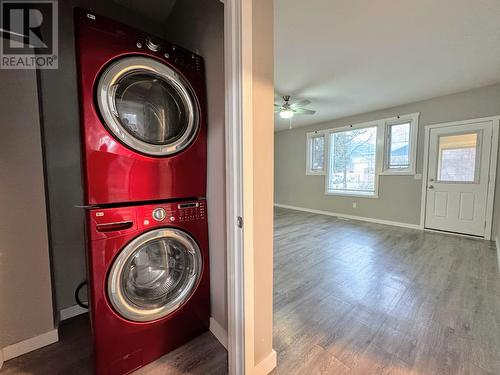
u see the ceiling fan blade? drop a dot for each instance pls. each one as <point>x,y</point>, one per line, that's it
<point>300,103</point>
<point>278,98</point>
<point>303,111</point>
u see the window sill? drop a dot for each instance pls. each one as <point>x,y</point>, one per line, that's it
<point>314,173</point>
<point>357,195</point>
<point>397,173</point>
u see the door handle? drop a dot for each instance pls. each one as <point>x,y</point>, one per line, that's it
<point>112,227</point>
<point>431,187</point>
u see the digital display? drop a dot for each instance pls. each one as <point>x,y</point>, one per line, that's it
<point>188,205</point>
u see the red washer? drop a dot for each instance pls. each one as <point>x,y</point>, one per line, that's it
<point>149,281</point>
<point>143,114</point>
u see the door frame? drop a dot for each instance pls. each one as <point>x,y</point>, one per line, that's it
<point>492,173</point>
<point>239,191</point>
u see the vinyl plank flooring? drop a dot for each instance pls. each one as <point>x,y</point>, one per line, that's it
<point>73,355</point>
<point>349,298</point>
<point>361,298</point>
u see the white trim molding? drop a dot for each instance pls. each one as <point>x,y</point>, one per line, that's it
<point>219,332</point>
<point>493,168</point>
<point>71,312</point>
<point>28,345</point>
<point>351,217</point>
<point>267,365</point>
<point>238,87</point>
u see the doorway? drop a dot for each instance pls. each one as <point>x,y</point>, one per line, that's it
<point>459,176</point>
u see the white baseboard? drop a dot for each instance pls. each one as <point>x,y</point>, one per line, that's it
<point>26,346</point>
<point>267,365</point>
<point>71,312</point>
<point>352,217</point>
<point>219,332</point>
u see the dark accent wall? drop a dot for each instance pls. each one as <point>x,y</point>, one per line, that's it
<point>198,25</point>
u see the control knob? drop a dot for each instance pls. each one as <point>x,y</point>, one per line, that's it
<point>159,214</point>
<point>152,45</point>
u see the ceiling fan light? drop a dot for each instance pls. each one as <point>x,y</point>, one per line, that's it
<point>286,114</point>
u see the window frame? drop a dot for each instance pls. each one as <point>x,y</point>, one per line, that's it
<point>309,153</point>
<point>413,119</point>
<point>379,147</point>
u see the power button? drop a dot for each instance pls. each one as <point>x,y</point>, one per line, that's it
<point>159,214</point>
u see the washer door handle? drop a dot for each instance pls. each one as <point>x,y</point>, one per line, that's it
<point>112,227</point>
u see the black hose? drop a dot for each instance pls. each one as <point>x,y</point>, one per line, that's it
<point>77,295</point>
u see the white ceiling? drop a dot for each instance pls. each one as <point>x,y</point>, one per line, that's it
<point>355,56</point>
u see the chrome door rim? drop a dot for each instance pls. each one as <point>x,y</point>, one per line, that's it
<point>132,312</point>
<point>106,101</point>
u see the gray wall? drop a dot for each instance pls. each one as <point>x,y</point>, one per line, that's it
<point>199,25</point>
<point>399,196</point>
<point>25,286</point>
<point>61,125</point>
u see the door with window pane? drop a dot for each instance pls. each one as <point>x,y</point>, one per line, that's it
<point>458,176</point>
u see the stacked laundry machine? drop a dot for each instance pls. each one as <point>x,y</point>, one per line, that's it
<point>144,126</point>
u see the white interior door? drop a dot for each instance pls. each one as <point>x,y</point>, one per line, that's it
<point>457,178</point>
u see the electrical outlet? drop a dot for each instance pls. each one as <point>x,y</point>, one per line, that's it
<point>354,205</point>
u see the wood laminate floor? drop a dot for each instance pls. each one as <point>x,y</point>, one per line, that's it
<point>349,298</point>
<point>72,356</point>
<point>358,298</point>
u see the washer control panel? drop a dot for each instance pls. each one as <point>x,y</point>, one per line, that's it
<point>191,211</point>
<point>172,213</point>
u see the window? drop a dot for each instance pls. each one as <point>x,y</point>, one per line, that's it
<point>353,157</point>
<point>352,162</point>
<point>315,153</point>
<point>457,158</point>
<point>401,145</point>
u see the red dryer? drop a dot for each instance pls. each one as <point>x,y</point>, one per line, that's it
<point>143,114</point>
<point>149,281</point>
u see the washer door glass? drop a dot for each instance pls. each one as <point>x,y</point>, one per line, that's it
<point>154,274</point>
<point>148,106</point>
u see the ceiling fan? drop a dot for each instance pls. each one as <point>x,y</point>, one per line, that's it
<point>287,110</point>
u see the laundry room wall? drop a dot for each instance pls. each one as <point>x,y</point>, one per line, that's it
<point>198,25</point>
<point>60,121</point>
<point>25,286</point>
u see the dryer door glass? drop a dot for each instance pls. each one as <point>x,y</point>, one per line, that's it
<point>148,106</point>
<point>154,275</point>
